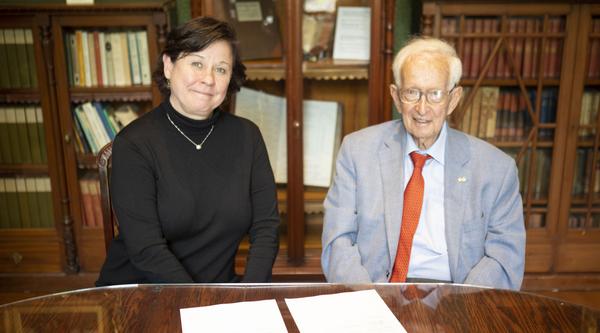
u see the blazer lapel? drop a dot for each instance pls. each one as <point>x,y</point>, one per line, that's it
<point>392,177</point>
<point>456,179</point>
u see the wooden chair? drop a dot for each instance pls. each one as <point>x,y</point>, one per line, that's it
<point>109,220</point>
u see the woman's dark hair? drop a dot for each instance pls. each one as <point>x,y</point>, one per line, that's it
<point>196,35</point>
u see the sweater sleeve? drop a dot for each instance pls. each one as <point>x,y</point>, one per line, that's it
<point>133,189</point>
<point>264,231</point>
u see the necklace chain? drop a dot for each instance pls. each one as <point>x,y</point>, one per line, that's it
<point>198,146</point>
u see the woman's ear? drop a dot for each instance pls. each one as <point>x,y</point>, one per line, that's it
<point>168,66</point>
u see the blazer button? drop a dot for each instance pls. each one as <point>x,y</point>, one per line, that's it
<point>387,274</point>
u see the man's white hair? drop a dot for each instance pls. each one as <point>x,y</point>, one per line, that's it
<point>429,47</point>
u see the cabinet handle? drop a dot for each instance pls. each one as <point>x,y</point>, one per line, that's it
<point>296,124</point>
<point>16,257</point>
<point>67,138</point>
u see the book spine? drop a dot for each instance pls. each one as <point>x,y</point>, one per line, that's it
<point>125,59</point>
<point>13,133</point>
<point>108,54</point>
<point>85,50</point>
<point>34,135</point>
<point>80,46</point>
<point>87,202</point>
<point>134,60</point>
<point>31,58</point>
<point>97,59</point>
<point>34,205</point>
<point>5,151</point>
<point>22,64</point>
<point>102,56</point>
<point>97,204</point>
<point>13,58</point>
<point>39,118</point>
<point>92,59</point>
<point>45,199</point>
<point>24,144</point>
<point>86,128</point>
<point>4,216</point>
<point>24,209</point>
<point>4,71</point>
<point>12,200</point>
<point>142,42</point>
<point>117,61</point>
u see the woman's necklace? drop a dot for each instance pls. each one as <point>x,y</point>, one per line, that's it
<point>198,146</point>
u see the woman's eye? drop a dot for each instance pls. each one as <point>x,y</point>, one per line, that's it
<point>221,70</point>
<point>197,64</point>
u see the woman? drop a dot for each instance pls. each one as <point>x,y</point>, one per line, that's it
<point>189,180</point>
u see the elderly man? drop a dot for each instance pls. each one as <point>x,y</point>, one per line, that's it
<point>414,200</point>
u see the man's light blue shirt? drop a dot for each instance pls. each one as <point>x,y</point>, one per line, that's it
<point>429,254</point>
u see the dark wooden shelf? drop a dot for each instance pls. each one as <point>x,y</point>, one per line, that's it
<point>467,82</point>
<point>326,69</point>
<point>111,94</point>
<point>518,144</point>
<point>24,169</point>
<point>86,161</point>
<point>24,96</point>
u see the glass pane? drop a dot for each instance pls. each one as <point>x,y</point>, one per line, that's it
<point>594,49</point>
<point>536,220</point>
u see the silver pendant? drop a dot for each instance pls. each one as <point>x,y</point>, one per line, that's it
<point>198,147</point>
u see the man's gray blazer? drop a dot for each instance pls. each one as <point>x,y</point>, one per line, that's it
<point>485,232</point>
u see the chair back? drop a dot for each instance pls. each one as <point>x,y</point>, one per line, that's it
<point>109,220</point>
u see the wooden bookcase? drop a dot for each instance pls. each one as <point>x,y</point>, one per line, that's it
<point>68,245</point>
<point>360,87</point>
<point>29,246</point>
<point>81,165</point>
<point>526,69</point>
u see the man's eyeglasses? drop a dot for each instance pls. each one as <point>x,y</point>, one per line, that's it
<point>434,96</point>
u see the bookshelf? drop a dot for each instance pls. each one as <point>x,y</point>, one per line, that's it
<point>32,239</point>
<point>359,87</point>
<point>51,224</point>
<point>93,88</point>
<point>529,90</point>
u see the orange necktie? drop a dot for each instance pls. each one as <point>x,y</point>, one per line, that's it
<point>413,201</point>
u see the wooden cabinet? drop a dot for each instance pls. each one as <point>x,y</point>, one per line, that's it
<point>33,229</point>
<point>526,70</point>
<point>115,24</point>
<point>360,88</point>
<point>70,242</point>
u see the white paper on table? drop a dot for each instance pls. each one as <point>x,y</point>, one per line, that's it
<point>255,316</point>
<point>357,311</point>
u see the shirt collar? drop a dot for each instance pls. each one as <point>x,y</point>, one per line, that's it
<point>437,149</point>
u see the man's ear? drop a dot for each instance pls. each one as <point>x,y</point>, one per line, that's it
<point>455,97</point>
<point>394,91</point>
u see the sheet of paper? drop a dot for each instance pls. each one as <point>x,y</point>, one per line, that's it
<point>357,311</point>
<point>256,316</point>
<point>352,33</point>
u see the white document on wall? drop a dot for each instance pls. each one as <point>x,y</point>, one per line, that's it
<point>357,311</point>
<point>321,133</point>
<point>352,39</point>
<point>256,316</point>
<point>321,137</point>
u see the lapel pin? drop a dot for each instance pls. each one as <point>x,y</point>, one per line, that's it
<point>462,179</point>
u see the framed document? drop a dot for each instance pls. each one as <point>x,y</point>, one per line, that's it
<point>352,39</point>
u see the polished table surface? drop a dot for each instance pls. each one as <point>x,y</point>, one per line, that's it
<point>419,307</point>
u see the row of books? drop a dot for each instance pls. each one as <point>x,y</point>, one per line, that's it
<point>502,114</point>
<point>579,221</point>
<point>17,59</point>
<point>26,203</point>
<point>541,176</point>
<point>594,55</point>
<point>590,103</point>
<point>584,170</point>
<point>90,200</point>
<point>104,59</point>
<point>321,133</point>
<point>96,124</point>
<point>475,50</point>
<point>22,136</point>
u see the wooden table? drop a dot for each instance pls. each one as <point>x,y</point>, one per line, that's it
<point>419,307</point>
